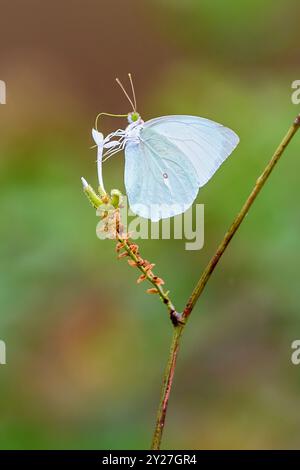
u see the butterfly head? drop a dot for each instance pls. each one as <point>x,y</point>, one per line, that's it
<point>133,117</point>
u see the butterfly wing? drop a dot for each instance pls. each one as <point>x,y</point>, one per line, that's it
<point>159,182</point>
<point>205,143</point>
<point>174,157</point>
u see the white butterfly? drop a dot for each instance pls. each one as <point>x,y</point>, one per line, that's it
<point>167,159</point>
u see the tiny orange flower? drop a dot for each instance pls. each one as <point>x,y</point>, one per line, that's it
<point>119,246</point>
<point>141,278</point>
<point>158,281</point>
<point>149,266</point>
<point>132,263</point>
<point>134,248</point>
<point>152,291</point>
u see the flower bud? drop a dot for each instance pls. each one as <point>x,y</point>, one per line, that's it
<point>116,197</point>
<point>94,199</point>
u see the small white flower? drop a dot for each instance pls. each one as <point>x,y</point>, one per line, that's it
<point>99,140</point>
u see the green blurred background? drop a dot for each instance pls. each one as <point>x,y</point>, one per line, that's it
<point>86,347</point>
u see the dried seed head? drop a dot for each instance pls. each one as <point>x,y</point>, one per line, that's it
<point>119,246</point>
<point>134,248</point>
<point>141,278</point>
<point>149,266</point>
<point>123,255</point>
<point>132,263</point>
<point>152,291</point>
<point>158,281</point>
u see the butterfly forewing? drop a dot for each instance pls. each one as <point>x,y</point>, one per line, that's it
<point>205,143</point>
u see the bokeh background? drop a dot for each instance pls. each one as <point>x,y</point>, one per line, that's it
<point>86,347</point>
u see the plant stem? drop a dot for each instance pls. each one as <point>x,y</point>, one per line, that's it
<point>178,330</point>
<point>166,388</point>
<point>162,293</point>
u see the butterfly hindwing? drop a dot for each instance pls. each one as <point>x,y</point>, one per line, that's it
<point>159,182</point>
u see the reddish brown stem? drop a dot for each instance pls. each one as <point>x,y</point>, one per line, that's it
<point>166,388</point>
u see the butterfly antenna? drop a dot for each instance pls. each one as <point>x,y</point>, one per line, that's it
<point>107,114</point>
<point>133,92</point>
<point>125,93</point>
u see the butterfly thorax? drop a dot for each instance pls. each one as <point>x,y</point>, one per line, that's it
<point>132,131</point>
